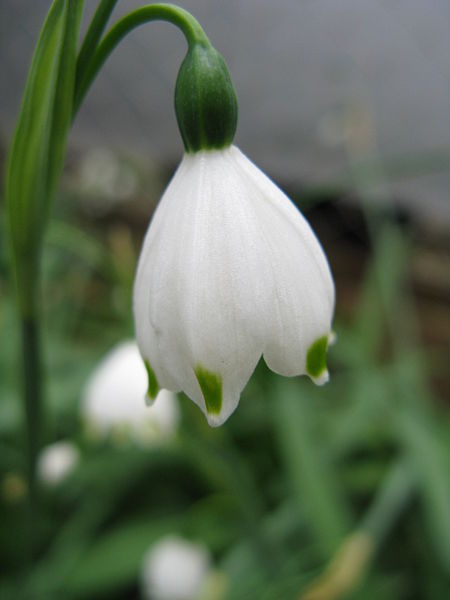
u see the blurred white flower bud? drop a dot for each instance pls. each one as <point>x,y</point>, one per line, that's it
<point>56,461</point>
<point>114,399</point>
<point>105,180</point>
<point>175,569</point>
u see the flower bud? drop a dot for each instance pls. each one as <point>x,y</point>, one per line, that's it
<point>175,569</point>
<point>56,461</point>
<point>205,100</point>
<point>113,403</point>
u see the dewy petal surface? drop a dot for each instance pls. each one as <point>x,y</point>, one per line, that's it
<point>229,270</point>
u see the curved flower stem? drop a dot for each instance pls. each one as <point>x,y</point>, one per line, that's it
<point>164,12</point>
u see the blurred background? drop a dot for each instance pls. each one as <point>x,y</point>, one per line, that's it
<point>313,493</point>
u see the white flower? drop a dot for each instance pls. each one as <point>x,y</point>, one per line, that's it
<point>56,461</point>
<point>175,569</point>
<point>105,181</point>
<point>114,399</point>
<point>230,270</point>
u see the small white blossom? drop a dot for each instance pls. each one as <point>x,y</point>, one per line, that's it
<point>56,461</point>
<point>105,181</point>
<point>230,270</point>
<point>114,399</point>
<point>175,569</point>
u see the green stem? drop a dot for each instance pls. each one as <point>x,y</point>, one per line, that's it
<point>32,370</point>
<point>93,35</point>
<point>179,17</point>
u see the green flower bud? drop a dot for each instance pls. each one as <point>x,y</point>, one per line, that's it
<point>205,100</point>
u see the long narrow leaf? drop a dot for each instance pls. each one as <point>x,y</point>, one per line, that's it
<point>420,438</point>
<point>39,144</point>
<point>313,479</point>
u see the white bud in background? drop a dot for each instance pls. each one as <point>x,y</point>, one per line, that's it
<point>175,569</point>
<point>105,181</point>
<point>114,399</point>
<point>56,461</point>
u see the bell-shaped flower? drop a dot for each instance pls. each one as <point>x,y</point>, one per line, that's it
<point>230,270</point>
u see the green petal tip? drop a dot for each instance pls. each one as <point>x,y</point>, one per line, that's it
<point>316,360</point>
<point>153,385</point>
<point>211,386</point>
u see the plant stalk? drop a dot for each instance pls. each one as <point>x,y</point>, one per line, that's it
<point>32,390</point>
<point>179,17</point>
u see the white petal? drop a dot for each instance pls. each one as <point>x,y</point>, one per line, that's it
<point>302,302</point>
<point>202,281</point>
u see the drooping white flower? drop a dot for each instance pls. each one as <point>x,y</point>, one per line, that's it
<point>229,270</point>
<point>56,461</point>
<point>175,569</point>
<point>114,399</point>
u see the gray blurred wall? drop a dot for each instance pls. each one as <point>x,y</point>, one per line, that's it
<point>317,81</point>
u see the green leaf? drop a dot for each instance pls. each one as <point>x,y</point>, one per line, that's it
<point>312,476</point>
<point>93,35</point>
<point>39,144</point>
<point>383,307</point>
<point>420,437</point>
<point>115,559</point>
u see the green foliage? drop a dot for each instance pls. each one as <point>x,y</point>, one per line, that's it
<point>313,478</point>
<point>282,494</point>
<point>39,144</point>
<point>275,493</point>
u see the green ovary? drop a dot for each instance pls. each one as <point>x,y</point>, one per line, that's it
<point>153,385</point>
<point>211,386</point>
<point>316,358</point>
